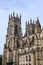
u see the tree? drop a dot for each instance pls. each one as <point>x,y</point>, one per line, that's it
<point>0,59</point>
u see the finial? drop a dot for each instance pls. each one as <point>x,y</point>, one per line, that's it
<point>9,16</point>
<point>30,20</point>
<point>13,14</point>
<point>26,23</point>
<point>20,16</point>
<point>37,19</point>
<point>17,15</point>
<point>33,21</point>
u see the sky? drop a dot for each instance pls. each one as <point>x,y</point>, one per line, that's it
<point>27,8</point>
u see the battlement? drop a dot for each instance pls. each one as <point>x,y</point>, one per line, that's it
<point>33,26</point>
<point>14,16</point>
<point>30,22</point>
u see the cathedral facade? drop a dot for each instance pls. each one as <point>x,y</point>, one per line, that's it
<point>23,50</point>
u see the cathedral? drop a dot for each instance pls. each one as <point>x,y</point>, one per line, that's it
<point>23,50</point>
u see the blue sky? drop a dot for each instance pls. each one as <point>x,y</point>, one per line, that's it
<point>27,8</point>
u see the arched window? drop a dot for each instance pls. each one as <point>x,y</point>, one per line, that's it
<point>26,58</point>
<point>33,40</point>
<point>38,49</point>
<point>16,30</point>
<point>42,52</point>
<point>25,51</point>
<point>9,44</point>
<point>17,43</point>
<point>33,31</point>
<point>29,57</point>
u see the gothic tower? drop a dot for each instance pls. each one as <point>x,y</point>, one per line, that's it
<point>13,33</point>
<point>37,26</point>
<point>30,28</point>
<point>14,25</point>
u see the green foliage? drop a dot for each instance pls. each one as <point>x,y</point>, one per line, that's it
<point>0,60</point>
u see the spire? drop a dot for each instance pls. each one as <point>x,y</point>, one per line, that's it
<point>37,19</point>
<point>26,23</point>
<point>33,21</point>
<point>13,14</point>
<point>20,16</point>
<point>17,15</point>
<point>9,16</point>
<point>37,22</point>
<point>30,20</point>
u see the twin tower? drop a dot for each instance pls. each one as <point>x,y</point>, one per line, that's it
<point>14,26</point>
<point>16,43</point>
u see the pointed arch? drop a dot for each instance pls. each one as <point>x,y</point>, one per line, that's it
<point>42,52</point>
<point>16,30</point>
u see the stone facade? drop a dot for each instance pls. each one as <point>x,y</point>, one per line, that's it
<point>23,50</point>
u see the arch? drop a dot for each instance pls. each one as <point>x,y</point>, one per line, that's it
<point>35,36</point>
<point>24,50</point>
<point>17,43</point>
<point>33,40</point>
<point>42,52</point>
<point>38,49</point>
<point>28,40</point>
<point>16,30</point>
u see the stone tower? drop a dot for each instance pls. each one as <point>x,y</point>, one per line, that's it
<point>14,25</point>
<point>30,28</point>
<point>37,26</point>
<point>11,45</point>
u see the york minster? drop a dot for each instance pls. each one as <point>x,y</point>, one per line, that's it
<point>23,50</point>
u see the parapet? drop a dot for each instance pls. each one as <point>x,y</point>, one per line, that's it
<point>14,16</point>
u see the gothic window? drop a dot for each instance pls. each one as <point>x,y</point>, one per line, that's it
<point>24,51</point>
<point>16,30</point>
<point>33,40</point>
<point>42,52</point>
<point>29,64</point>
<point>11,42</point>
<point>37,49</point>
<point>29,57</point>
<point>33,31</point>
<point>26,58</point>
<point>8,44</point>
<point>11,30</point>
<point>17,43</point>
